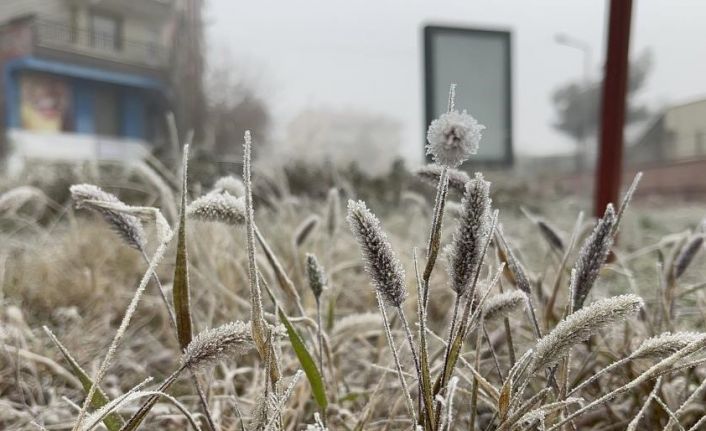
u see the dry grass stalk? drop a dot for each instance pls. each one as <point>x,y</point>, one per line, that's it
<point>305,229</point>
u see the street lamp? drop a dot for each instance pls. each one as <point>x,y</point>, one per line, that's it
<point>585,48</point>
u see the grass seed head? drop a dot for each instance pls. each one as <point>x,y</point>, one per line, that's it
<point>232,340</point>
<point>305,229</point>
<point>687,254</point>
<point>230,184</point>
<point>127,226</point>
<point>665,344</point>
<point>432,172</point>
<point>592,256</point>
<point>504,304</point>
<point>580,325</point>
<point>381,262</point>
<point>465,251</point>
<point>333,211</point>
<point>218,207</point>
<point>316,274</point>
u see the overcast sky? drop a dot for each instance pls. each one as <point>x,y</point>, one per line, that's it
<point>366,54</point>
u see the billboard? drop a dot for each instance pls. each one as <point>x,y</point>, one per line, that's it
<point>480,62</point>
<point>45,102</point>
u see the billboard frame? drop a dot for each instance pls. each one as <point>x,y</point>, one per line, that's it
<point>430,31</point>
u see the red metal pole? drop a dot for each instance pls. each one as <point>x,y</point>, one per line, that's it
<point>610,156</point>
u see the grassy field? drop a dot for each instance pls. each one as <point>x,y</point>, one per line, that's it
<point>65,269</point>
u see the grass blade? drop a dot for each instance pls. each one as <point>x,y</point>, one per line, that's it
<point>305,359</point>
<point>112,421</point>
<point>180,291</point>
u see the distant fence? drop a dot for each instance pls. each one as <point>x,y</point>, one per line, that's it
<point>680,180</point>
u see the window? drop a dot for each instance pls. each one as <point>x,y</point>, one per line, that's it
<point>106,31</point>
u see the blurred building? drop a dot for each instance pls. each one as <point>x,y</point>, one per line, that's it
<point>84,79</point>
<point>677,134</point>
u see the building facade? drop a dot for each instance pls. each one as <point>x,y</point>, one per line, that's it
<point>678,134</point>
<point>84,79</point>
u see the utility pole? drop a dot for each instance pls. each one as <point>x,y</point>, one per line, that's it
<point>610,156</point>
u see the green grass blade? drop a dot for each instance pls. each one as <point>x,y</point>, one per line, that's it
<point>113,421</point>
<point>180,291</point>
<point>305,359</point>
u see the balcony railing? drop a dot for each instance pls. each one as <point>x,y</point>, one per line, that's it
<point>56,35</point>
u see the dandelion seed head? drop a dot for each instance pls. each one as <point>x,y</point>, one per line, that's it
<point>453,137</point>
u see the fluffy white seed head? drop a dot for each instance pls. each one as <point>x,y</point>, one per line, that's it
<point>381,263</point>
<point>218,207</point>
<point>127,226</point>
<point>466,249</point>
<point>504,304</point>
<point>580,325</point>
<point>453,137</point>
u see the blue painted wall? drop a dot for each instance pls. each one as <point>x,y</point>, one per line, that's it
<point>132,121</point>
<point>84,106</point>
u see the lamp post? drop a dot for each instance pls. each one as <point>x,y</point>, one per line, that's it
<point>585,48</point>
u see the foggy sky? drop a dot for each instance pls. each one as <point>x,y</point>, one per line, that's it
<point>366,54</point>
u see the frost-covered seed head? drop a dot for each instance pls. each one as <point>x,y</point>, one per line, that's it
<point>14,199</point>
<point>580,325</point>
<point>304,230</point>
<point>230,184</point>
<point>514,266</point>
<point>687,254</point>
<point>465,251</point>
<point>592,256</point>
<point>551,235</point>
<point>665,344</point>
<point>317,277</point>
<point>432,172</point>
<point>218,207</point>
<point>381,263</point>
<point>231,340</point>
<point>127,226</point>
<point>453,138</point>
<point>504,304</point>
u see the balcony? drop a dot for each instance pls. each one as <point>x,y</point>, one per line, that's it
<point>56,39</point>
